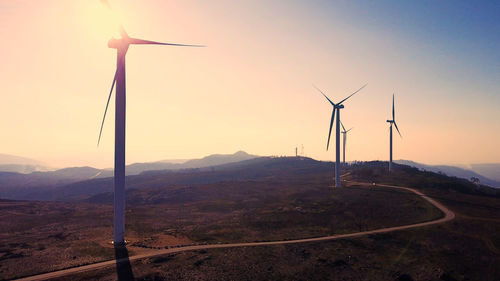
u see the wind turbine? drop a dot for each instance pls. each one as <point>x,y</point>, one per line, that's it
<point>336,107</point>
<point>121,45</point>
<point>344,132</point>
<point>393,121</point>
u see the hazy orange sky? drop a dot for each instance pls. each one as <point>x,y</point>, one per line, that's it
<point>251,88</point>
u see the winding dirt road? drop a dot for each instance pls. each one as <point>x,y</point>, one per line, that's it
<point>448,215</point>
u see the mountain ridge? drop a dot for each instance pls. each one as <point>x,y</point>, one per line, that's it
<point>13,163</point>
<point>16,185</point>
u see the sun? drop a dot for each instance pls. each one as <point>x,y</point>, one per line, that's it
<point>103,20</point>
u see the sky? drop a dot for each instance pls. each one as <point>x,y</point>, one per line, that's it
<point>251,88</point>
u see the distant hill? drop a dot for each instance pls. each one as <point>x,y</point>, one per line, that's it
<point>218,159</point>
<point>79,173</point>
<point>271,170</point>
<point>252,169</point>
<point>211,160</point>
<point>80,183</point>
<point>452,171</point>
<point>16,185</point>
<point>11,163</point>
<point>15,164</point>
<point>11,159</point>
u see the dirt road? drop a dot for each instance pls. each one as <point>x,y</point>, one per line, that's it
<point>448,215</point>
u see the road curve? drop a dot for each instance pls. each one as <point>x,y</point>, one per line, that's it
<point>448,215</point>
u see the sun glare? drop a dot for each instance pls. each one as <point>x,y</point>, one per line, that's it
<point>103,20</point>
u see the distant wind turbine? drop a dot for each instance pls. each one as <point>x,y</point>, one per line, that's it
<point>344,133</point>
<point>393,121</point>
<point>336,107</point>
<point>121,45</point>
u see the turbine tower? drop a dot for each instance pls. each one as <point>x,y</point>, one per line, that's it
<point>393,121</point>
<point>336,107</point>
<point>121,45</point>
<point>344,133</point>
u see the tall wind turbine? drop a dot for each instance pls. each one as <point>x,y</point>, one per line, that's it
<point>121,45</point>
<point>393,121</point>
<point>344,133</point>
<point>336,107</point>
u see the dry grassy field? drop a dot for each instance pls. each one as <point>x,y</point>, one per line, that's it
<point>44,236</point>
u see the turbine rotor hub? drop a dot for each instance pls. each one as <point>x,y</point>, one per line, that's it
<point>121,43</point>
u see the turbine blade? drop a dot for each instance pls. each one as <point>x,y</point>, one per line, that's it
<point>393,118</point>
<point>121,29</point>
<point>324,95</point>
<point>396,125</point>
<point>106,3</point>
<point>107,104</point>
<point>352,94</point>
<point>330,132</point>
<point>343,128</point>
<point>349,129</point>
<point>123,33</point>
<point>147,42</point>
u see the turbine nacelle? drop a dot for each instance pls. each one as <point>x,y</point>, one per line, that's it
<point>390,121</point>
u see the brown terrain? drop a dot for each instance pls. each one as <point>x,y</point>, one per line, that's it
<point>46,236</point>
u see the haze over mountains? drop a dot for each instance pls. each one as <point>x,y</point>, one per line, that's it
<point>211,160</point>
<point>11,163</point>
<point>16,164</point>
<point>101,190</point>
<point>81,182</point>
<point>491,170</point>
<point>486,173</point>
<point>16,185</point>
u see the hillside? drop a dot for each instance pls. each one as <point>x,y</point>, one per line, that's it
<point>256,168</point>
<point>253,169</point>
<point>272,199</point>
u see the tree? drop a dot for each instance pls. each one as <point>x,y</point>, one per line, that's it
<point>474,180</point>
